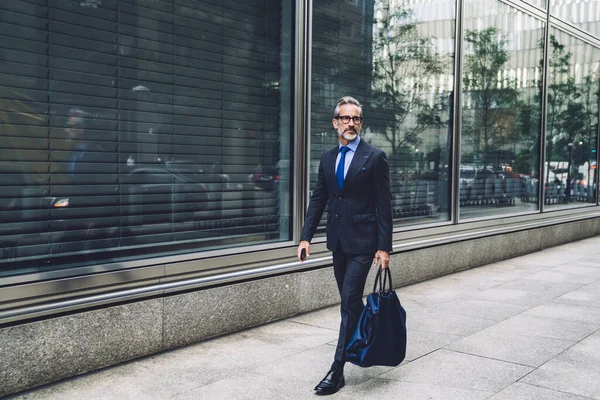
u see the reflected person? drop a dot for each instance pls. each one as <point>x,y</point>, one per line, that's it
<point>81,170</point>
<point>354,183</point>
<point>84,151</point>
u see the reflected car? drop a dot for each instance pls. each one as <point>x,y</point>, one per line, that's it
<point>265,178</point>
<point>160,186</point>
<point>209,175</point>
<point>151,201</point>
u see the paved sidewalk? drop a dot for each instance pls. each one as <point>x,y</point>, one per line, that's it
<point>524,328</point>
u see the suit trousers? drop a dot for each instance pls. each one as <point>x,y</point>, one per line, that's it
<point>351,271</point>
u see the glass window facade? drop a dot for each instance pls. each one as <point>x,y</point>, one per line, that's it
<point>501,113</point>
<point>397,59</point>
<point>139,128</point>
<point>572,127</point>
<point>133,129</point>
<point>584,14</point>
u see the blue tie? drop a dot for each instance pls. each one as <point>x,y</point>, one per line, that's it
<point>339,172</point>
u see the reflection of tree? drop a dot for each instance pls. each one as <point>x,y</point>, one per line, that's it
<point>562,95</point>
<point>527,135</point>
<point>494,97</point>
<point>590,96</point>
<point>572,111</point>
<point>404,63</point>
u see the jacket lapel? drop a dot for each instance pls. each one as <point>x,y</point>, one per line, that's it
<point>363,152</point>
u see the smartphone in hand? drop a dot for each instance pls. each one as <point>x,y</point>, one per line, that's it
<point>303,254</point>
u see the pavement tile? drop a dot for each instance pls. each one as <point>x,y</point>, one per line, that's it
<point>594,286</point>
<point>479,308</point>
<point>565,377</point>
<point>568,312</point>
<point>563,254</point>
<point>421,343</point>
<point>522,391</point>
<point>530,325</point>
<point>378,389</point>
<point>492,275</point>
<point>577,270</point>
<point>539,259</point>
<point>513,268</point>
<point>554,276</point>
<point>433,321</point>
<point>546,288</point>
<point>521,298</point>
<point>590,262</point>
<point>142,379</point>
<point>246,386</point>
<point>585,354</point>
<point>259,345</point>
<point>527,350</point>
<point>328,318</point>
<point>584,297</point>
<point>431,294</point>
<point>310,366</point>
<point>458,370</point>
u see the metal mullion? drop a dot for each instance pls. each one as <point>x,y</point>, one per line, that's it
<point>597,179</point>
<point>544,120</point>
<point>527,8</point>
<point>300,176</point>
<point>457,113</point>
<point>575,31</point>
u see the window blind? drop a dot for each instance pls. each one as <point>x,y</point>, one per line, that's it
<point>132,124</point>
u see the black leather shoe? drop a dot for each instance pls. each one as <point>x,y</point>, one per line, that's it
<point>333,381</point>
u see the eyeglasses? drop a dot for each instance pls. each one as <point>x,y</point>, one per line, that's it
<point>346,119</point>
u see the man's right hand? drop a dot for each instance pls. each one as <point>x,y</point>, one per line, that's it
<point>306,246</point>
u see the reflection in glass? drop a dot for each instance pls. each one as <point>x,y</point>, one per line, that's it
<point>133,130</point>
<point>402,72</point>
<point>499,159</point>
<point>571,134</point>
<point>538,3</point>
<point>585,14</point>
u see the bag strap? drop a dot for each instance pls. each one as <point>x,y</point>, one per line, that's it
<point>378,279</point>
<point>387,275</point>
<point>383,281</point>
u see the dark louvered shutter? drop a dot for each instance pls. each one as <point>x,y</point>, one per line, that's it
<point>129,123</point>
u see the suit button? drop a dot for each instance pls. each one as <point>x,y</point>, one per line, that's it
<point>339,198</point>
<point>337,215</point>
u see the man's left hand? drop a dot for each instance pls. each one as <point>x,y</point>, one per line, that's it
<point>384,257</point>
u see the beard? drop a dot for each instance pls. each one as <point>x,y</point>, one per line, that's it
<point>350,135</point>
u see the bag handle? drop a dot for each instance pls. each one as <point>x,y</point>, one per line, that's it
<point>387,275</point>
<point>377,278</point>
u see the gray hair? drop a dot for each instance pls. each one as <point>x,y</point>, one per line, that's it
<point>346,100</point>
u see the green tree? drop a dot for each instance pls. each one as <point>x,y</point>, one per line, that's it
<point>489,123</point>
<point>404,63</point>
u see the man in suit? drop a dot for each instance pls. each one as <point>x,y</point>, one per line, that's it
<point>354,183</point>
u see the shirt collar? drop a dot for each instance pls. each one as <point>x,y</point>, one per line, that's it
<point>353,145</point>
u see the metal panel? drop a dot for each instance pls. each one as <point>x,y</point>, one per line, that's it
<point>302,111</point>
<point>457,113</point>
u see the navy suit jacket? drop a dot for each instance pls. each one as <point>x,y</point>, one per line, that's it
<point>359,218</point>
